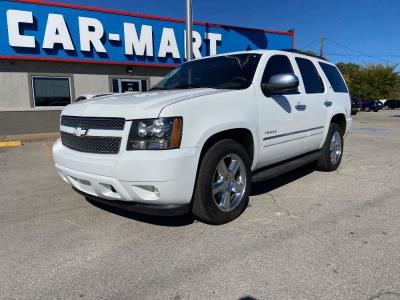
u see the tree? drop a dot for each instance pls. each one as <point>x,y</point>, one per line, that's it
<point>371,81</point>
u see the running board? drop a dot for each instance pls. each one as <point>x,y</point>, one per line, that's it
<point>284,167</point>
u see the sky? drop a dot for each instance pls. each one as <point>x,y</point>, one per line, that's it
<point>359,31</point>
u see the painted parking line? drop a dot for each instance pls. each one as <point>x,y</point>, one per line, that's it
<point>48,152</point>
<point>371,130</point>
<point>10,144</point>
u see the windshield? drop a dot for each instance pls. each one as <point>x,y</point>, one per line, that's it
<point>221,72</point>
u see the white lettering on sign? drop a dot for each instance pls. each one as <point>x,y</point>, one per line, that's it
<point>197,43</point>
<point>14,19</point>
<point>138,46</point>
<point>57,33</point>
<point>168,44</point>
<point>93,37</point>
<point>114,37</point>
<point>214,38</point>
<point>91,32</point>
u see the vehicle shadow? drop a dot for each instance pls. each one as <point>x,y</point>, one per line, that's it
<point>175,221</point>
<point>262,187</point>
<point>257,188</point>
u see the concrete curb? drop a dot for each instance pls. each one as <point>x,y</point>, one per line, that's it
<point>33,137</point>
<point>9,144</point>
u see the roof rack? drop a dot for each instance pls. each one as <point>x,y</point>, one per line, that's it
<point>304,53</point>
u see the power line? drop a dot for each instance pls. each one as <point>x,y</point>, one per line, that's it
<point>379,57</point>
<point>359,52</point>
<point>360,55</point>
<point>310,44</point>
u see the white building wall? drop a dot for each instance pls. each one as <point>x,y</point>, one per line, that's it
<point>14,91</point>
<point>91,84</point>
<point>154,80</point>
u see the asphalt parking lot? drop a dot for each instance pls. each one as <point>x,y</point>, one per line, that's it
<point>306,235</point>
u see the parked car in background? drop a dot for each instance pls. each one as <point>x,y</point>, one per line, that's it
<point>379,104</point>
<point>355,106</point>
<point>371,105</point>
<point>392,104</point>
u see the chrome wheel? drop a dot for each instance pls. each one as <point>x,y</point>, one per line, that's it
<point>229,182</point>
<point>336,147</point>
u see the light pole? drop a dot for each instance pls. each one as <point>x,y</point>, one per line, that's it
<point>321,48</point>
<point>189,25</point>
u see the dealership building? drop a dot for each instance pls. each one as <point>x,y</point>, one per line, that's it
<point>52,53</point>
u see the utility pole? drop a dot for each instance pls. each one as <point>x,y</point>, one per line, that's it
<point>189,28</point>
<point>321,49</point>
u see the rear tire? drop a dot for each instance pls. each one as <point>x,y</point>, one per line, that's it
<point>332,151</point>
<point>223,183</point>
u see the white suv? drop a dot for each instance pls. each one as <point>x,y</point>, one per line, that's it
<point>197,140</point>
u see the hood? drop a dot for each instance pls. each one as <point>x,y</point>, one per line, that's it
<point>133,105</point>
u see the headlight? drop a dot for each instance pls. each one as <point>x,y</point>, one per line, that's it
<point>155,134</point>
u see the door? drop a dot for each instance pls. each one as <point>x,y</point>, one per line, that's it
<point>282,119</point>
<point>129,85</point>
<point>317,101</point>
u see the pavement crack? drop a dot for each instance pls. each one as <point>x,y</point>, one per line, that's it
<point>274,201</point>
<point>383,293</point>
<point>294,217</point>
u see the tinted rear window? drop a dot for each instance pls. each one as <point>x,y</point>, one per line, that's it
<point>334,77</point>
<point>311,79</point>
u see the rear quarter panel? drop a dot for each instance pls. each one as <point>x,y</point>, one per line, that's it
<point>341,103</point>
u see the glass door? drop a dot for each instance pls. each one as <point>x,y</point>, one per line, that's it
<point>129,85</point>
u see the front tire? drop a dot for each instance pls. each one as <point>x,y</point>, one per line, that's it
<point>223,183</point>
<point>332,151</point>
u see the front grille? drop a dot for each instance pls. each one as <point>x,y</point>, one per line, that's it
<point>91,144</point>
<point>93,123</point>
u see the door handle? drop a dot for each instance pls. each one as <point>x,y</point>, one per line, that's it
<point>328,103</point>
<point>301,107</point>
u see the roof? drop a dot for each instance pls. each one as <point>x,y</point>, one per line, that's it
<point>304,53</point>
<point>261,51</point>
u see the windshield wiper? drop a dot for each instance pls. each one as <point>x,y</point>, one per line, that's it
<point>159,89</point>
<point>193,86</point>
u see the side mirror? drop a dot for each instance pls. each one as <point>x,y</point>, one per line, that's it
<point>280,83</point>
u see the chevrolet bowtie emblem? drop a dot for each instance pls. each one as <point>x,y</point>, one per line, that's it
<point>79,131</point>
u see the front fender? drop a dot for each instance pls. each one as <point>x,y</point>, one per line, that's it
<point>229,126</point>
<point>206,116</point>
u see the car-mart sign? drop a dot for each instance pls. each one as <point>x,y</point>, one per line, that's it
<point>34,30</point>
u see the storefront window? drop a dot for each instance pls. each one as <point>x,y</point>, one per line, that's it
<point>51,91</point>
<point>124,85</point>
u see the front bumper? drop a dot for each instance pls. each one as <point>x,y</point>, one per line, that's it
<point>148,209</point>
<point>147,177</point>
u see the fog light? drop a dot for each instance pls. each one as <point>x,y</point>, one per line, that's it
<point>146,192</point>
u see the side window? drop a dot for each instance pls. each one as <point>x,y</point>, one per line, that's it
<point>312,81</point>
<point>277,64</point>
<point>334,77</point>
